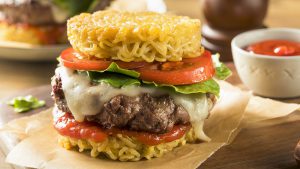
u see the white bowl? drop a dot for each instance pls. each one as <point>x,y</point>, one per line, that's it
<point>269,76</point>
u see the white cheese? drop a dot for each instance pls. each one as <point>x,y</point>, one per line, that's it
<point>198,107</point>
<point>86,99</point>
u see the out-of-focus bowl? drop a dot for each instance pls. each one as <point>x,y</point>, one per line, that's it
<point>269,76</point>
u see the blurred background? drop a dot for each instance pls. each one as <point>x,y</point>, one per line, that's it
<point>16,75</point>
<point>281,13</point>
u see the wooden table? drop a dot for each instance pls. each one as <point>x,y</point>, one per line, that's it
<point>19,76</point>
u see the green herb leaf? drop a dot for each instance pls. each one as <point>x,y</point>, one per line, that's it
<point>114,79</point>
<point>222,71</point>
<point>23,104</point>
<point>209,86</point>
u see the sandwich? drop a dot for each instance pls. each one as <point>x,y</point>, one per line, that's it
<point>134,85</point>
<point>40,22</point>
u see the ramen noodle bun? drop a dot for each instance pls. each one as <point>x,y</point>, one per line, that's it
<point>134,36</point>
<point>125,148</point>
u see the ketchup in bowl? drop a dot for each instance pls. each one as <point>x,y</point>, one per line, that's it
<point>275,48</point>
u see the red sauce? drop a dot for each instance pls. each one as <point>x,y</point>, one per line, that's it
<point>275,48</point>
<point>51,35</point>
<point>66,125</point>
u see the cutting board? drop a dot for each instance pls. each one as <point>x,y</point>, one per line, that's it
<point>258,148</point>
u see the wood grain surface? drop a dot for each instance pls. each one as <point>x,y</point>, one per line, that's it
<point>258,148</point>
<point>7,113</point>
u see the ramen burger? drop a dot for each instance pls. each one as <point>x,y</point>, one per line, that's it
<point>40,22</point>
<point>32,21</point>
<point>133,85</point>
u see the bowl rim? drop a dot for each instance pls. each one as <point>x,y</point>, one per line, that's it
<point>265,30</point>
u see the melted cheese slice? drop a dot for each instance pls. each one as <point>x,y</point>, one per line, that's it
<point>85,99</point>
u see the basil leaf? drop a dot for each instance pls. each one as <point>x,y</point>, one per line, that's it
<point>115,80</point>
<point>208,86</point>
<point>23,104</point>
<point>222,71</point>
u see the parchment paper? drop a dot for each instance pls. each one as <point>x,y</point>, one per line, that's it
<point>39,149</point>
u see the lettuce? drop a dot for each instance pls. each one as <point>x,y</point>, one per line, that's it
<point>114,79</point>
<point>115,76</point>
<point>113,67</point>
<point>208,86</point>
<point>119,77</point>
<point>222,71</point>
<point>23,104</point>
<point>73,6</point>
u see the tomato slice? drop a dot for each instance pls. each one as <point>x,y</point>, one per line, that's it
<point>75,60</point>
<point>66,125</point>
<point>187,71</point>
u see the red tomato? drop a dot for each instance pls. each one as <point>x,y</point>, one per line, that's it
<point>74,60</point>
<point>66,125</point>
<point>188,71</point>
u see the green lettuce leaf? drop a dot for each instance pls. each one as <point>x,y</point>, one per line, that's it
<point>119,77</point>
<point>115,76</point>
<point>114,79</point>
<point>74,6</point>
<point>222,71</point>
<point>208,86</point>
<point>113,67</point>
<point>23,104</point>
<point>97,5</point>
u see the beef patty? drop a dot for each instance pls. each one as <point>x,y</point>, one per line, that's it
<point>34,12</point>
<point>140,113</point>
<point>29,12</point>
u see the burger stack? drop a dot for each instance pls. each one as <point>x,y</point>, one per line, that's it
<point>134,85</point>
